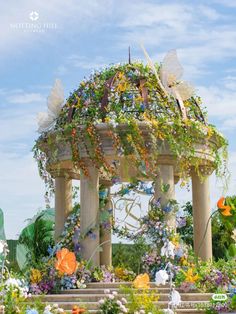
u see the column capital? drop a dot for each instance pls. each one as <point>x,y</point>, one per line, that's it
<point>204,170</point>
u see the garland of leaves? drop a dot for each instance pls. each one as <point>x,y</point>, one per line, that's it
<point>127,95</point>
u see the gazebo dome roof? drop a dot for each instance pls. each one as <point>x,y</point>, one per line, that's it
<point>121,92</point>
<point>123,118</point>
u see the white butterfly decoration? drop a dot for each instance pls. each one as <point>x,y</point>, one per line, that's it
<point>55,103</point>
<point>171,72</point>
<point>175,298</point>
<point>161,277</point>
<point>153,68</point>
<point>168,250</point>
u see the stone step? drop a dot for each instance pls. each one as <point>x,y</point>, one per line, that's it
<point>185,305</point>
<point>110,285</point>
<point>101,290</point>
<point>177,311</point>
<point>96,297</point>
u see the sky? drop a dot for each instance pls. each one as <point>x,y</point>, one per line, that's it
<point>68,39</point>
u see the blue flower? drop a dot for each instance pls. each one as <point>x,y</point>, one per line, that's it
<point>167,209</point>
<point>142,106</point>
<point>148,191</point>
<point>32,311</point>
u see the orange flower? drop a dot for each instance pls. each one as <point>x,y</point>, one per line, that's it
<point>77,310</point>
<point>226,208</point>
<point>142,282</point>
<point>66,262</point>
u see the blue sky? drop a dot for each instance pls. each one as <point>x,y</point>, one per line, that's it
<point>89,34</point>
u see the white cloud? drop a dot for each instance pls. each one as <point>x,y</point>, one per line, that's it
<point>71,15</point>
<point>229,124</point>
<point>81,62</point>
<point>18,110</point>
<point>226,3</point>
<point>25,98</point>
<point>219,101</point>
<point>148,14</point>
<point>22,190</point>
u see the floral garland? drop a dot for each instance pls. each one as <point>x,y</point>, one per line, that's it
<point>115,96</point>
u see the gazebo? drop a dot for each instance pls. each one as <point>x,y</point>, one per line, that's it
<point>120,124</point>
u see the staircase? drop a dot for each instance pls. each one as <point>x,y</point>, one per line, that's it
<point>90,296</point>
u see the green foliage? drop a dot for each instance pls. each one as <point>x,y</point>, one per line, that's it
<point>141,300</point>
<point>222,229</point>
<point>123,103</point>
<point>129,255</point>
<point>222,232</point>
<point>37,238</point>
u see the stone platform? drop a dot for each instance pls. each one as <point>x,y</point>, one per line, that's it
<point>90,296</point>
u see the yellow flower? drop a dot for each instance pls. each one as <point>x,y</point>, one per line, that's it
<point>121,87</point>
<point>142,281</point>
<point>210,132</point>
<point>139,99</point>
<point>183,261</point>
<point>190,277</point>
<point>121,76</point>
<point>175,240</point>
<point>107,119</point>
<point>35,276</point>
<point>119,272</point>
<point>129,138</point>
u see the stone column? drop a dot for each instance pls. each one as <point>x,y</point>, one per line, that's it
<point>63,203</point>
<point>201,214</point>
<point>106,234</point>
<point>89,215</point>
<point>166,177</point>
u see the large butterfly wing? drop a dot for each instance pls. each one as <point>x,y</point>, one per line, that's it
<point>44,121</point>
<point>185,90</point>
<point>56,99</point>
<point>171,66</point>
<point>153,68</point>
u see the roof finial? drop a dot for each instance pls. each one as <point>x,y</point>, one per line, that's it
<point>129,56</point>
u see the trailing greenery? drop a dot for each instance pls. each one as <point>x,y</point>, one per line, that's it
<point>127,95</point>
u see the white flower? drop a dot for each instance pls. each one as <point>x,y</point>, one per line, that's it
<point>12,282</point>
<point>2,246</point>
<point>168,311</point>
<point>234,235</point>
<point>111,296</point>
<point>114,293</point>
<point>123,300</point>
<point>175,298</point>
<point>102,301</point>
<point>168,249</point>
<point>123,309</point>
<point>161,277</point>
<point>118,302</point>
<point>106,291</point>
